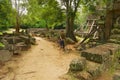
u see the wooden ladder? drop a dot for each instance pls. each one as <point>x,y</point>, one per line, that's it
<point>92,29</point>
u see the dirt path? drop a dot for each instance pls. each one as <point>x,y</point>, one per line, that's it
<point>42,62</point>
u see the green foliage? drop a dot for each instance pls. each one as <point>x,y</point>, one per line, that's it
<point>2,45</point>
<point>1,33</point>
<point>40,24</point>
<point>44,13</point>
<point>47,13</point>
<point>96,7</point>
<point>5,14</point>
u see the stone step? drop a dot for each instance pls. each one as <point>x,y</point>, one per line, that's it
<point>116,30</point>
<point>94,69</point>
<point>77,64</point>
<point>114,41</point>
<point>116,36</point>
<point>101,53</point>
<point>117,27</point>
<point>91,71</point>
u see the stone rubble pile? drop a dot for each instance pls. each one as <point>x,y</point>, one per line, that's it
<point>14,44</point>
<point>94,61</point>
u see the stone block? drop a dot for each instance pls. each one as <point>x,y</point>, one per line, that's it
<point>5,55</point>
<point>94,69</point>
<point>78,64</point>
<point>83,76</point>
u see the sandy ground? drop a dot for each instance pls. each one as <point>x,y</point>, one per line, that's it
<point>43,61</point>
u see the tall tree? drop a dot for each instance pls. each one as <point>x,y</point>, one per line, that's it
<point>20,7</point>
<point>109,18</point>
<point>71,7</point>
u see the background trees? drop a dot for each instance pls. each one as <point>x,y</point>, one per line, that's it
<point>6,14</point>
<point>71,7</point>
<point>48,13</point>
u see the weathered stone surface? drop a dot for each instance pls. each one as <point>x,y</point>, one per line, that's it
<point>22,46</point>
<point>9,39</point>
<point>116,76</point>
<point>113,48</point>
<point>101,53</point>
<point>33,41</point>
<point>83,76</point>
<point>5,55</point>
<point>78,64</point>
<point>94,69</point>
<point>117,37</point>
<point>96,55</point>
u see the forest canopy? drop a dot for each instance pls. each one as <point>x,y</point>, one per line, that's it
<point>44,13</point>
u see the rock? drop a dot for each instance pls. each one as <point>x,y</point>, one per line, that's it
<point>78,64</point>
<point>5,55</point>
<point>9,39</point>
<point>83,76</point>
<point>33,41</point>
<point>22,46</point>
<point>96,55</point>
<point>113,48</point>
<point>94,69</point>
<point>101,53</point>
<point>116,76</point>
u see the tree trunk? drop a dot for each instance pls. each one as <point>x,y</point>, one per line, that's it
<point>108,26</point>
<point>70,29</point>
<point>17,27</point>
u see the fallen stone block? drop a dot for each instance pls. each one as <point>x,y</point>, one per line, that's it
<point>5,55</point>
<point>100,53</point>
<point>96,54</point>
<point>94,69</point>
<point>83,76</point>
<point>113,48</point>
<point>22,46</point>
<point>77,64</point>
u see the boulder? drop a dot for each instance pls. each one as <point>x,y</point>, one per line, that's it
<point>77,64</point>
<point>5,55</point>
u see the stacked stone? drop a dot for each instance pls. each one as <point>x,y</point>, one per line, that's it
<point>94,61</point>
<point>14,44</point>
<point>115,35</point>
